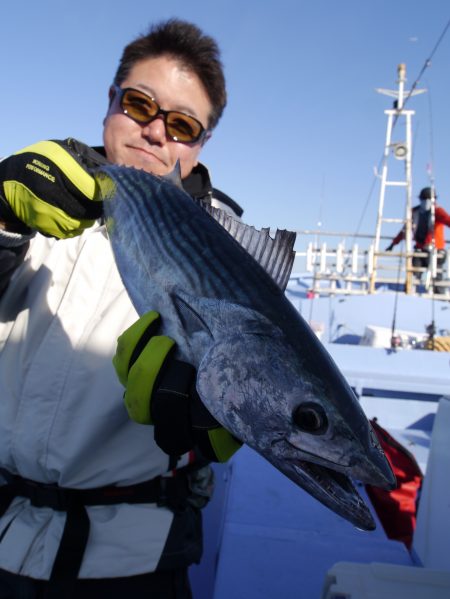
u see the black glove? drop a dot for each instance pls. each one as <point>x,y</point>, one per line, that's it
<point>181,420</point>
<point>160,390</point>
<point>47,187</point>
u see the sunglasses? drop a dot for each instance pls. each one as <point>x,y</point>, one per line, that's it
<point>143,109</point>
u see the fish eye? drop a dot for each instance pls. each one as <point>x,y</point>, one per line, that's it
<point>311,418</point>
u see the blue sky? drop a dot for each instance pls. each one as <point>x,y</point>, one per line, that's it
<point>303,128</point>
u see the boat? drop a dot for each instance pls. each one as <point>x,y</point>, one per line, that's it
<point>383,322</point>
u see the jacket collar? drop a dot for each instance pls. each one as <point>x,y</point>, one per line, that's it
<point>198,184</point>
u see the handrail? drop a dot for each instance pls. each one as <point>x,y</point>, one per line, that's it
<point>347,235</point>
<point>351,270</point>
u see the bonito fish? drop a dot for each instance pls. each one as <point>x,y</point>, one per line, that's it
<point>219,287</point>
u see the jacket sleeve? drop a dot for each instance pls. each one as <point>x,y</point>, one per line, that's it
<point>442,216</point>
<point>12,254</point>
<point>399,237</point>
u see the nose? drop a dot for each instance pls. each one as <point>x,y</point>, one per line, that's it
<point>155,131</point>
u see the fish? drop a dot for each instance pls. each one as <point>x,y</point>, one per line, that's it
<point>219,285</point>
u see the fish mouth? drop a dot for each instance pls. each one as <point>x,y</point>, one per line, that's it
<point>333,489</point>
<point>326,483</point>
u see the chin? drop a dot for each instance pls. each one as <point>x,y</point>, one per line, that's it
<point>154,169</point>
<point>150,166</point>
<point>143,165</point>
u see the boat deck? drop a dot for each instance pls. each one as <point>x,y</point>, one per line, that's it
<point>266,538</point>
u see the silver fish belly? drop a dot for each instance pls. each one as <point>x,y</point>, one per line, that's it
<point>262,372</point>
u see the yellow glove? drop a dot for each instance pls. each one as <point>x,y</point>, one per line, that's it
<point>160,390</point>
<point>47,187</point>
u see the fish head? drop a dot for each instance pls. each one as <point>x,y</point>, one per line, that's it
<point>311,428</point>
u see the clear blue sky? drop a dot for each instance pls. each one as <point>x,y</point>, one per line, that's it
<point>303,128</point>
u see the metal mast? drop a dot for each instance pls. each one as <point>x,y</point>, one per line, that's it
<point>400,151</point>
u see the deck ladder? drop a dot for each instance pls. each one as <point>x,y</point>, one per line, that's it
<point>396,151</point>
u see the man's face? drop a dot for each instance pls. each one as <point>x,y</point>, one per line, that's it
<point>147,147</point>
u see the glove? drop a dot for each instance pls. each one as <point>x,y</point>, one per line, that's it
<point>160,390</point>
<point>47,187</point>
<point>389,247</point>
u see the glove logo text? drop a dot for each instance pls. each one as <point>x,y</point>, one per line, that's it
<point>41,169</point>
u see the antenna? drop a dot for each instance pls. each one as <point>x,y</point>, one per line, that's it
<point>400,93</point>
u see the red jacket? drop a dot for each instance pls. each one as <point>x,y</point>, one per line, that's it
<point>441,218</point>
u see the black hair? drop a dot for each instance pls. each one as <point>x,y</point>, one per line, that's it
<point>186,43</point>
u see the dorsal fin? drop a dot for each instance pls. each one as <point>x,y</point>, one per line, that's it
<point>174,176</point>
<point>275,254</point>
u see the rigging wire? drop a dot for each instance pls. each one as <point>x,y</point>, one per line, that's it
<point>369,196</point>
<point>426,65</point>
<point>366,205</point>
<point>432,257</point>
<point>394,315</point>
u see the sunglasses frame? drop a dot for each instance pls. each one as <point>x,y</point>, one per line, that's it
<point>120,92</point>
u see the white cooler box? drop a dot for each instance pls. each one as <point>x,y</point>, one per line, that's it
<point>385,581</point>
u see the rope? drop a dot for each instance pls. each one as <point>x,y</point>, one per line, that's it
<point>432,338</point>
<point>426,65</point>
<point>428,61</point>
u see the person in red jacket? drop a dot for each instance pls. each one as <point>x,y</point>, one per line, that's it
<point>425,238</point>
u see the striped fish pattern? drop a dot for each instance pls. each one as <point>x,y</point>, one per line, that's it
<point>219,287</point>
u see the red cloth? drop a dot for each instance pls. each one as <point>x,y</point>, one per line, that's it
<point>397,509</point>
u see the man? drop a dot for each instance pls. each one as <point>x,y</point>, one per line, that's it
<point>93,504</point>
<point>425,236</point>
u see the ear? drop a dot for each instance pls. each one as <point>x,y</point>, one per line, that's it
<point>207,136</point>
<point>111,95</point>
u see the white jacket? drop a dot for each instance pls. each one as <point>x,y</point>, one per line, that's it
<point>62,418</point>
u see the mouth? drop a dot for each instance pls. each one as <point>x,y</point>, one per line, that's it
<point>314,458</point>
<point>147,155</point>
<point>326,483</point>
<point>335,490</point>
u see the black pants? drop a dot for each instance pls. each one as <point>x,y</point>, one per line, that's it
<point>157,585</point>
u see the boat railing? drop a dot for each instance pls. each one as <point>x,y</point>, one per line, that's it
<point>335,268</point>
